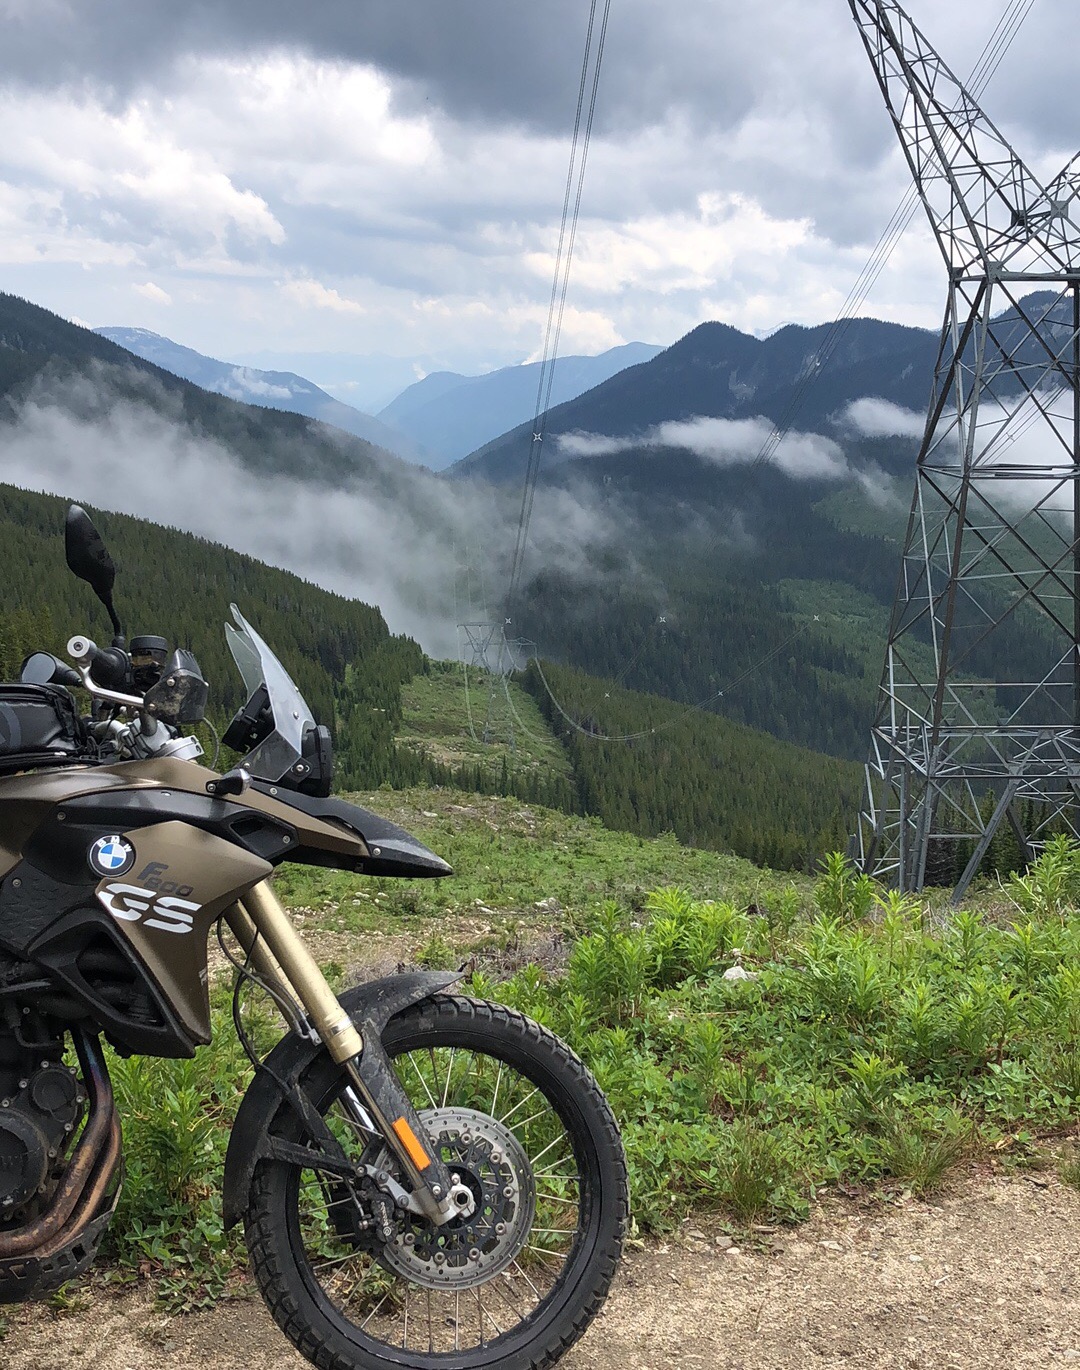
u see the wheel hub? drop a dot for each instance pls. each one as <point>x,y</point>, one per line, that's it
<point>495,1193</point>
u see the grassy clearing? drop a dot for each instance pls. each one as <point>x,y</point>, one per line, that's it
<point>869,1046</point>
<point>446,711</point>
<point>759,1037</point>
<point>518,865</point>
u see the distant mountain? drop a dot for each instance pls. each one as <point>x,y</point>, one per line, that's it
<point>368,380</point>
<point>45,358</point>
<point>718,372</point>
<point>449,415</point>
<point>268,389</point>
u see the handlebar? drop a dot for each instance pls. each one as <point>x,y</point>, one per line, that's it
<point>86,655</point>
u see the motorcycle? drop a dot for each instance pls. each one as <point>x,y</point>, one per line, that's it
<point>424,1179</point>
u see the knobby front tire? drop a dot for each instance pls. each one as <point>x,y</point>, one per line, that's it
<point>523,1123</point>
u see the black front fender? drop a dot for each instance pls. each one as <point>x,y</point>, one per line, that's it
<point>371,1007</point>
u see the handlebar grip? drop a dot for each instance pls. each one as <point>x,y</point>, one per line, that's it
<point>81,649</point>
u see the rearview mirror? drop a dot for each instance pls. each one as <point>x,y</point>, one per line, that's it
<point>88,558</point>
<point>87,555</point>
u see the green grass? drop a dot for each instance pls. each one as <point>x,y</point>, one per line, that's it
<point>875,1046</point>
<point>509,856</point>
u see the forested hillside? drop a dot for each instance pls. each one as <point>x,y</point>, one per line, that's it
<point>716,371</point>
<point>180,586</point>
<point>712,782</point>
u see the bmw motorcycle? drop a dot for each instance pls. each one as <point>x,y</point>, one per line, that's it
<point>424,1179</point>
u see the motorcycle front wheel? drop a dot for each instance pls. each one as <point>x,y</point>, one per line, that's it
<point>508,1285</point>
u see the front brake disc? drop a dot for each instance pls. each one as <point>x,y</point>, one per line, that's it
<point>488,1163</point>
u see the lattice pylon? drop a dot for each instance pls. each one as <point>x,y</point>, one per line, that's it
<point>978,713</point>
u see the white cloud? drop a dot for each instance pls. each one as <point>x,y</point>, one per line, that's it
<point>741,167</point>
<point>877,418</point>
<point>312,294</point>
<point>154,293</point>
<point>398,544</point>
<point>723,442</point>
<point>241,383</point>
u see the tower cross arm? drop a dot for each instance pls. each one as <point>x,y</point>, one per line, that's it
<point>988,211</point>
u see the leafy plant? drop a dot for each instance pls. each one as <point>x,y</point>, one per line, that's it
<point>842,892</point>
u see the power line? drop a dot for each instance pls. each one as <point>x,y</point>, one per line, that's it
<point>559,286</point>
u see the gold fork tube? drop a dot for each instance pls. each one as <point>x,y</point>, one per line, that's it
<point>288,961</point>
<point>265,963</point>
<point>291,963</point>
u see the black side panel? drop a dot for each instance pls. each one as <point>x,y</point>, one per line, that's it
<point>30,900</point>
<point>393,850</point>
<point>88,956</point>
<point>61,928</point>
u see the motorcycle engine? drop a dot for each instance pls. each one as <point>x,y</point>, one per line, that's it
<point>40,1103</point>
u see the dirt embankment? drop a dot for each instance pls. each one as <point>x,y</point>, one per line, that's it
<point>986,1279</point>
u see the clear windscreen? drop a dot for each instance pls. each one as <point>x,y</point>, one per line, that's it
<point>278,753</point>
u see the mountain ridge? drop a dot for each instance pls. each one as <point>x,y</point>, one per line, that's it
<point>716,371</point>
<point>282,390</point>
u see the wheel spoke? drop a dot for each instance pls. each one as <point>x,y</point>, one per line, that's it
<point>516,1265</point>
<point>420,1077</point>
<point>374,1310</point>
<point>495,1096</point>
<point>519,1104</point>
<point>449,1072</point>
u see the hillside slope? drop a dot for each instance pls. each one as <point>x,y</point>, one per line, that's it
<point>44,359</point>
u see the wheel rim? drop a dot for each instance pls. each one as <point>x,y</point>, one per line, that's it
<point>410,1305</point>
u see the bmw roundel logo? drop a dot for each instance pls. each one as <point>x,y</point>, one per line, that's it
<point>111,856</point>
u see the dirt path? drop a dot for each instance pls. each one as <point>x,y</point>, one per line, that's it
<point>989,1279</point>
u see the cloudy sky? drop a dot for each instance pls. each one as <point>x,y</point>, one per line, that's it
<point>373,176</point>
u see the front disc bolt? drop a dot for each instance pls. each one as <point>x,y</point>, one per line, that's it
<point>508,1192</point>
<point>410,1239</point>
<point>440,1257</point>
<point>500,1229</point>
<point>474,1253</point>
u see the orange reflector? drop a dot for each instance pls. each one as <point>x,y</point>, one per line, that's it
<point>411,1142</point>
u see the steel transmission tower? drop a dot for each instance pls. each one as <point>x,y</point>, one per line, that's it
<point>978,715</point>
